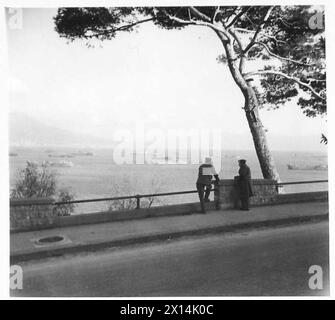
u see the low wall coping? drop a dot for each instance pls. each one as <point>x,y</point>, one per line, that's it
<point>230,182</point>
<point>31,201</point>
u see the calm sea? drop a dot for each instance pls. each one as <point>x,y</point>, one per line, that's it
<point>96,176</point>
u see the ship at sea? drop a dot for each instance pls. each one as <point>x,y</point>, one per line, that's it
<point>60,164</point>
<point>60,155</point>
<point>161,160</point>
<point>13,154</point>
<point>82,153</point>
<point>319,167</point>
<point>70,155</point>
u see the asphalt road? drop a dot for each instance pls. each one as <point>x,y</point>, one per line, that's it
<point>261,262</point>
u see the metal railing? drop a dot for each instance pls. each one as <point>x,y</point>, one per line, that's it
<point>281,184</point>
<point>138,197</point>
<point>301,182</point>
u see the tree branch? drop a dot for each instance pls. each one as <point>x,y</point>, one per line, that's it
<point>238,16</point>
<point>259,28</point>
<point>273,38</point>
<point>217,9</point>
<point>244,30</point>
<point>120,28</point>
<point>315,80</point>
<point>303,84</point>
<point>200,15</point>
<point>280,57</point>
<point>199,23</point>
<point>241,55</point>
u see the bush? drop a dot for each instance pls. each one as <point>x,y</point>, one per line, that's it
<point>65,209</point>
<point>119,190</point>
<point>126,188</point>
<point>34,183</point>
<point>41,182</point>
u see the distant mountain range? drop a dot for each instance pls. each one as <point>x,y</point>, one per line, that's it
<point>25,131</point>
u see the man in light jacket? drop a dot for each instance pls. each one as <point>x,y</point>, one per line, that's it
<point>204,182</point>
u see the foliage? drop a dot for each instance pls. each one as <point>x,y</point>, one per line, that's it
<point>303,53</point>
<point>40,182</point>
<point>34,182</point>
<point>324,139</point>
<point>128,187</point>
<point>65,195</point>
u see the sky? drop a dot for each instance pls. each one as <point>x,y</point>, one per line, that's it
<point>165,79</point>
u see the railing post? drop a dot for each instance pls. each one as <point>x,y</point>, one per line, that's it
<point>138,201</point>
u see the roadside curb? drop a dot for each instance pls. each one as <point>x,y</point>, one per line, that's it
<point>91,247</point>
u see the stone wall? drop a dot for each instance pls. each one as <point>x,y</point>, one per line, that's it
<point>227,193</point>
<point>32,214</point>
<point>25,215</point>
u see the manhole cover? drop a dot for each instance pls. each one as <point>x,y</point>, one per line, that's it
<point>51,239</point>
<point>55,240</point>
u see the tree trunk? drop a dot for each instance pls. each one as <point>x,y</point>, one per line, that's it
<point>265,158</point>
<point>251,106</point>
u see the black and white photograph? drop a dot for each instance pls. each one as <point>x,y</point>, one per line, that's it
<point>167,151</point>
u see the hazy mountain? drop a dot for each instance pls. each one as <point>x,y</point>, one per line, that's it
<point>29,132</point>
<point>26,131</point>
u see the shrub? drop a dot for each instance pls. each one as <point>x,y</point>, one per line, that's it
<point>41,182</point>
<point>126,188</point>
<point>65,209</point>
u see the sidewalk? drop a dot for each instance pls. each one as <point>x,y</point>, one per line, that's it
<point>93,237</point>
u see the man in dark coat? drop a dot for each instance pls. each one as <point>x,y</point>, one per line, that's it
<point>244,183</point>
<point>204,182</point>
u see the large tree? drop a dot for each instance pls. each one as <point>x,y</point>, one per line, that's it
<point>247,33</point>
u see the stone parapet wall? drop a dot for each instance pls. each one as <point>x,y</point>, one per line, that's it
<point>32,214</point>
<point>227,193</point>
<point>27,215</point>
